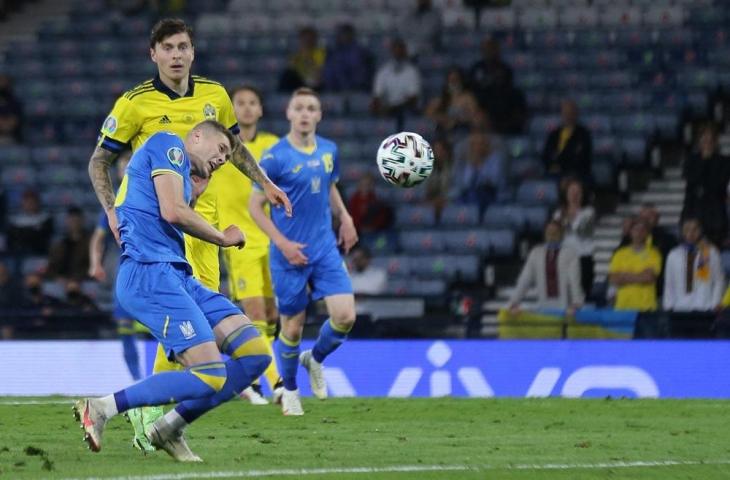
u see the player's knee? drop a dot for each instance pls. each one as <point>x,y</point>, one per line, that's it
<point>344,320</point>
<point>214,374</point>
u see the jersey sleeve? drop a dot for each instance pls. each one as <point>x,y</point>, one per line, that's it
<point>122,124</point>
<point>227,117</point>
<point>335,177</point>
<point>168,156</point>
<point>272,166</point>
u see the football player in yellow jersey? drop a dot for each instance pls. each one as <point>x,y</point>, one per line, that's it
<point>173,101</point>
<point>249,278</point>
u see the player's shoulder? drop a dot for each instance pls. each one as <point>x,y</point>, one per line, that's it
<point>267,137</point>
<point>205,84</point>
<point>325,143</point>
<point>139,90</point>
<point>164,140</point>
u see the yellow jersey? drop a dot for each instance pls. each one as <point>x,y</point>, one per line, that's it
<point>152,107</point>
<point>636,296</point>
<point>233,190</point>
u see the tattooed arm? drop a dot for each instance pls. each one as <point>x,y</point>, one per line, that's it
<point>99,165</point>
<point>242,159</point>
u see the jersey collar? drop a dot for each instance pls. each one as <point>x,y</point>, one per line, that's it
<point>162,88</point>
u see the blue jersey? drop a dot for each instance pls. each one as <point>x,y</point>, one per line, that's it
<point>306,179</point>
<point>146,236</point>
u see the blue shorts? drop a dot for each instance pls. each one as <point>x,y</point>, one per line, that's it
<point>325,277</point>
<point>120,313</point>
<point>167,299</point>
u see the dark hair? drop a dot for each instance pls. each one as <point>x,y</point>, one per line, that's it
<point>212,125</point>
<point>74,210</point>
<point>245,87</point>
<point>690,218</point>
<point>445,93</point>
<point>168,27</point>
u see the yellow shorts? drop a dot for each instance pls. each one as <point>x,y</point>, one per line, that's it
<point>248,273</point>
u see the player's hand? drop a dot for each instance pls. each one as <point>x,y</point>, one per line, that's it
<point>277,198</point>
<point>293,252</point>
<point>347,235</point>
<point>97,273</point>
<point>111,216</point>
<point>233,237</point>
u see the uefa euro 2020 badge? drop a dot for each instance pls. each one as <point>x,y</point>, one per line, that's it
<point>110,125</point>
<point>176,156</point>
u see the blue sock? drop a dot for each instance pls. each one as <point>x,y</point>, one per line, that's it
<point>330,337</point>
<point>167,387</point>
<point>249,358</point>
<point>131,357</point>
<point>287,357</point>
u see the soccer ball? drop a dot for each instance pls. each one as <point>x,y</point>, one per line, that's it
<point>405,159</point>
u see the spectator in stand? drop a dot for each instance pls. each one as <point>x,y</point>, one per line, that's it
<point>694,279</point>
<point>424,26</point>
<point>707,174</point>
<point>397,87</point>
<point>634,270</point>
<point>69,257</point>
<point>35,300</point>
<point>366,278</point>
<point>483,74</point>
<point>553,269</point>
<point>568,148</point>
<point>455,110</point>
<point>479,171</point>
<point>305,64</point>
<point>11,113</point>
<point>77,299</point>
<point>439,183</point>
<point>578,221</point>
<point>369,214</point>
<point>30,230</point>
<point>9,295</point>
<point>348,65</point>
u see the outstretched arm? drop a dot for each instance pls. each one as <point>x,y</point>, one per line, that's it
<point>101,180</point>
<point>242,159</point>
<point>96,253</point>
<point>291,250</point>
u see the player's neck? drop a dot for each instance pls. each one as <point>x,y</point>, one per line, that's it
<point>247,132</point>
<point>301,140</point>
<point>179,87</point>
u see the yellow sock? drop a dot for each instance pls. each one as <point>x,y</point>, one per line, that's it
<point>271,373</point>
<point>162,364</point>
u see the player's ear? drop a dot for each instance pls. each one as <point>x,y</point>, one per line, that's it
<point>152,55</point>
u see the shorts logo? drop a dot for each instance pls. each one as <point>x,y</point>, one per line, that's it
<point>176,156</point>
<point>209,111</point>
<point>187,330</point>
<point>110,125</point>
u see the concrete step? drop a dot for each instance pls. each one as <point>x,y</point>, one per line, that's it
<point>667,186</point>
<point>659,198</point>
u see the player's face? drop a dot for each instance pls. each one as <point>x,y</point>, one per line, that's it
<point>304,113</point>
<point>208,152</point>
<point>174,55</point>
<point>247,108</point>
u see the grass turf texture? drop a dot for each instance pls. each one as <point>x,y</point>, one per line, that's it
<point>492,438</point>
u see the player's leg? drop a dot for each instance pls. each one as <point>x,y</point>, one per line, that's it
<point>330,281</point>
<point>125,330</point>
<point>255,308</point>
<point>152,294</point>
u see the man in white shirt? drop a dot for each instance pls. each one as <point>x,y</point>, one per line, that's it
<point>366,279</point>
<point>397,83</point>
<point>694,279</point>
<point>554,270</point>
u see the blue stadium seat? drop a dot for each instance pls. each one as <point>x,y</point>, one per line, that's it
<point>519,146</point>
<point>426,288</point>
<point>403,195</point>
<point>415,216</point>
<point>396,265</point>
<point>19,175</point>
<point>446,267</point>
<point>33,264</point>
<point>634,149</point>
<point>475,240</point>
<point>511,216</point>
<point>535,217</point>
<point>424,241</point>
<point>598,124</point>
<point>358,103</point>
<point>524,168</point>
<point>501,243</point>
<point>460,215</point>
<point>537,191</point>
<point>14,154</point>
<point>603,174</point>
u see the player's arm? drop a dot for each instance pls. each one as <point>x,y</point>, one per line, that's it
<point>96,253</point>
<point>169,189</point>
<point>347,234</point>
<point>242,159</point>
<point>291,250</point>
<point>101,180</point>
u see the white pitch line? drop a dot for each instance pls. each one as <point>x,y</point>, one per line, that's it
<point>36,402</point>
<point>408,469</point>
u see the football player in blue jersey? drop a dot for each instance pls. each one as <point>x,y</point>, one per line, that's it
<point>304,249</point>
<point>155,285</point>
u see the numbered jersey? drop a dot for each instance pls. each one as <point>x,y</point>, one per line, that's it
<point>305,176</point>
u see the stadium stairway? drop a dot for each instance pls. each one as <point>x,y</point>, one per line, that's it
<point>23,24</point>
<point>667,193</point>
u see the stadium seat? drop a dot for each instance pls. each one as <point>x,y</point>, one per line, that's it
<point>634,149</point>
<point>395,265</point>
<point>460,215</point>
<point>537,191</point>
<point>535,217</point>
<point>424,241</point>
<point>623,16</point>
<point>446,267</point>
<point>578,17</point>
<point>426,288</point>
<point>538,18</point>
<point>510,216</point>
<point>415,216</point>
<point>475,240</point>
<point>497,19</point>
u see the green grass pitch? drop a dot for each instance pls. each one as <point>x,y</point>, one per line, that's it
<point>420,439</point>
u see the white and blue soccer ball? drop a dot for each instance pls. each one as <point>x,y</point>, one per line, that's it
<point>405,159</point>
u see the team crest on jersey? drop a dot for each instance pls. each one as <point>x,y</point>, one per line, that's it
<point>209,111</point>
<point>316,184</point>
<point>110,125</point>
<point>175,155</point>
<point>186,328</point>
